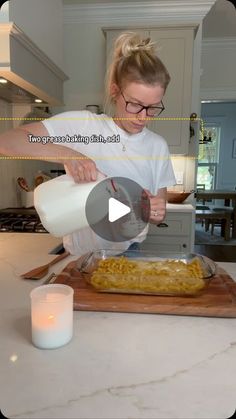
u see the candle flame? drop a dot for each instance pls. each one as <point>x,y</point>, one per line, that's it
<point>51,317</point>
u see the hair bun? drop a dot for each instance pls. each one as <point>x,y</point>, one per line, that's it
<point>130,43</point>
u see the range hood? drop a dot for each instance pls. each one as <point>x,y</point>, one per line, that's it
<point>29,72</point>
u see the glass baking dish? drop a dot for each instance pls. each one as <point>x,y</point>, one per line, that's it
<point>143,272</point>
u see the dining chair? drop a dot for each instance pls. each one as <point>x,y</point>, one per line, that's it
<point>202,206</point>
<point>218,222</point>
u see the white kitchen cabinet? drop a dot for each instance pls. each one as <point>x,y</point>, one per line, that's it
<point>175,49</point>
<point>175,234</point>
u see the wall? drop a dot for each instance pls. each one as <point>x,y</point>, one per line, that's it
<point>84,46</point>
<point>220,20</point>
<point>219,52</point>
<point>42,21</point>
<point>218,69</point>
<point>4,13</point>
<point>224,113</point>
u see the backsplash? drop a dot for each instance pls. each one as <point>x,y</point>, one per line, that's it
<point>185,165</point>
<point>10,170</point>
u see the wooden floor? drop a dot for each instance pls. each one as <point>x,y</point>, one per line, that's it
<point>220,253</point>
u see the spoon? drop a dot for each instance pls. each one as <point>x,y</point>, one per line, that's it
<point>23,184</point>
<point>41,271</point>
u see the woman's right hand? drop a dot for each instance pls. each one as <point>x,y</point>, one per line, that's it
<point>81,168</point>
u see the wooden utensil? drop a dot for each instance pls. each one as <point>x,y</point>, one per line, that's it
<point>23,184</point>
<point>41,271</point>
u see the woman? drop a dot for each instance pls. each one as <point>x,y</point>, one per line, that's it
<point>136,83</point>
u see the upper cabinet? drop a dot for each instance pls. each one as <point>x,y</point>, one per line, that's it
<point>175,49</point>
<point>29,72</point>
<point>32,56</point>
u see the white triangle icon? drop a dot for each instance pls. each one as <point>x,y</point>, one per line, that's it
<point>116,210</point>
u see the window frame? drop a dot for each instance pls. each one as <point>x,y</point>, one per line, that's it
<point>208,125</point>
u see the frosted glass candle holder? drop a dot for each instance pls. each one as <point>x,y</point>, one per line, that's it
<point>51,315</point>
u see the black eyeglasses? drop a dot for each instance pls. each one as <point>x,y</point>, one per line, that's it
<point>135,108</point>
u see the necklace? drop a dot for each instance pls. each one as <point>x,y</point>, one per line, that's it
<point>124,145</point>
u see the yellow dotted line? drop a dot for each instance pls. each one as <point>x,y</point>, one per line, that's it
<point>109,118</point>
<point>99,119</point>
<point>94,158</point>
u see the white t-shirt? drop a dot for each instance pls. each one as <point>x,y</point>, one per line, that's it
<point>145,160</point>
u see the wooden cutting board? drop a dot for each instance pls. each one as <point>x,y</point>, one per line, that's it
<point>217,300</point>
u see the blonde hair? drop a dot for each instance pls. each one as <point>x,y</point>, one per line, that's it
<point>135,60</point>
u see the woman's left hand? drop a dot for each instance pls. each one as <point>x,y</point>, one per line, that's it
<point>157,206</point>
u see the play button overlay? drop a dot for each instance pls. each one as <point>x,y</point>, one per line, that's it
<point>117,209</point>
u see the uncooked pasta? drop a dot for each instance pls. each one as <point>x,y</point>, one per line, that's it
<point>155,277</point>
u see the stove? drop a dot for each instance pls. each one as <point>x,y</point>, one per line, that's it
<point>20,220</point>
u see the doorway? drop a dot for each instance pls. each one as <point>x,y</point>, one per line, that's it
<point>217,161</point>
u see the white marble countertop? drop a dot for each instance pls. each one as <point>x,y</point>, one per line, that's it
<point>117,365</point>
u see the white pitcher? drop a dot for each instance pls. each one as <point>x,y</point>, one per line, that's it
<point>61,204</point>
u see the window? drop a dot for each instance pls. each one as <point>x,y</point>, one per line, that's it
<point>208,156</point>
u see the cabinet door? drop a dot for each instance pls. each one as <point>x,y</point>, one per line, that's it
<point>175,49</point>
<point>167,245</point>
<point>174,224</point>
<point>175,235</point>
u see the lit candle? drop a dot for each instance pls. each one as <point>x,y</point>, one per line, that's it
<point>52,315</point>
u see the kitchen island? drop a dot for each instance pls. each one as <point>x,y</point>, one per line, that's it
<point>117,365</point>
